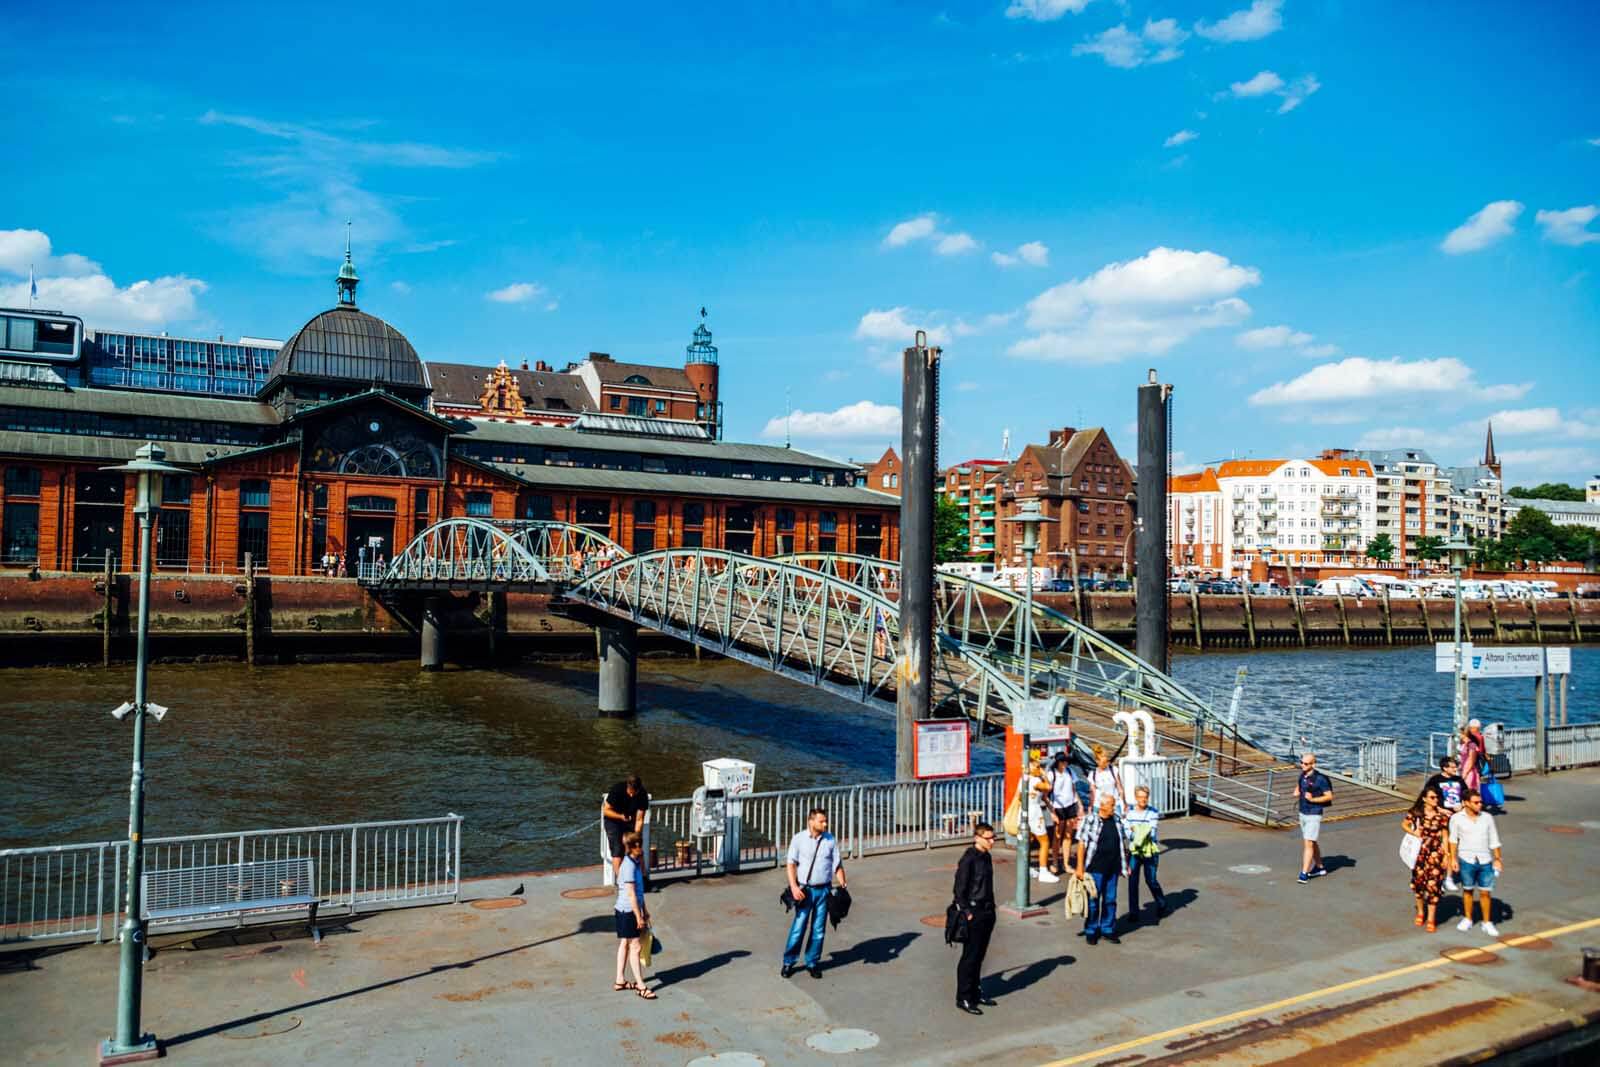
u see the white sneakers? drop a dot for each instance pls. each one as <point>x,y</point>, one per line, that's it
<point>1488,928</point>
<point>1464,925</point>
<point>1047,876</point>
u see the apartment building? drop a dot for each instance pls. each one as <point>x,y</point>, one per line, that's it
<point>1081,482</point>
<point>1591,490</point>
<point>1306,511</point>
<point>972,485</point>
<point>1417,497</point>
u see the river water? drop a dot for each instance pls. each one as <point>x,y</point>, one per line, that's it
<point>520,753</point>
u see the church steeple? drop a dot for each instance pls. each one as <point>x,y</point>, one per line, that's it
<point>1490,460</point>
<point>348,278</point>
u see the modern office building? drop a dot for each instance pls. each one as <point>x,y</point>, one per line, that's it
<point>341,450</point>
<point>973,486</point>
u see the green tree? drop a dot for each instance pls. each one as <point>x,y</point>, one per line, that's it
<point>1381,548</point>
<point>1547,491</point>
<point>1429,548</point>
<point>949,531</point>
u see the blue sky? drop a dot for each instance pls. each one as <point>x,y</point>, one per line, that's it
<point>1327,224</point>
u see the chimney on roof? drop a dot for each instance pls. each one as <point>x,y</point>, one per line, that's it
<point>540,365</point>
<point>599,357</point>
<point>1059,438</point>
<point>524,364</point>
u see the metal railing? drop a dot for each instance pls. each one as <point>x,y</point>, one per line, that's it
<point>1378,761</point>
<point>1167,779</point>
<point>63,892</point>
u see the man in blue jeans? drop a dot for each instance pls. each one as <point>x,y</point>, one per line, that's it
<point>813,862</point>
<point>1103,853</point>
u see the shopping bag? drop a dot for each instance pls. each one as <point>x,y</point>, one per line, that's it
<point>648,946</point>
<point>1410,847</point>
<point>1012,823</point>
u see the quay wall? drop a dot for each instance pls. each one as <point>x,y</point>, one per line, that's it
<point>62,617</point>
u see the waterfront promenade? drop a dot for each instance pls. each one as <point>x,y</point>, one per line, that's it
<point>1251,968</point>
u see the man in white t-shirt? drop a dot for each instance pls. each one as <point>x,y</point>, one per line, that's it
<point>1474,858</point>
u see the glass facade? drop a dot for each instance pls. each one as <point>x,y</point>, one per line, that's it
<point>176,364</point>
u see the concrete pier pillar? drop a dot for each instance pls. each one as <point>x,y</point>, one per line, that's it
<point>619,670</point>
<point>432,634</point>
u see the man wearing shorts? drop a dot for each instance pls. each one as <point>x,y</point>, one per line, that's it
<point>1314,792</point>
<point>623,812</point>
<point>1475,857</point>
<point>1064,803</point>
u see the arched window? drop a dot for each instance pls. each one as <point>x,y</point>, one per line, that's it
<point>636,379</point>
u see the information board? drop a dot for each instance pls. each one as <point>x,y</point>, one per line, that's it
<point>1481,662</point>
<point>943,749</point>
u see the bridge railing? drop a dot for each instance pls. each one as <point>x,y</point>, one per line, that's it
<point>64,892</point>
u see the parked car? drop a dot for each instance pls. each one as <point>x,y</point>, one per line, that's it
<point>1344,587</point>
<point>1121,585</point>
<point>1059,585</point>
<point>1266,589</point>
<point>1179,585</point>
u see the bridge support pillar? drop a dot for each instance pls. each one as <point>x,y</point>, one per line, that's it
<point>619,670</point>
<point>433,634</point>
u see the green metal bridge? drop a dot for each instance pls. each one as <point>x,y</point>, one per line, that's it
<point>832,621</point>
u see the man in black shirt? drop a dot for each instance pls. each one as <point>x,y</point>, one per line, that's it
<point>1103,858</point>
<point>1449,784</point>
<point>623,811</point>
<point>974,892</point>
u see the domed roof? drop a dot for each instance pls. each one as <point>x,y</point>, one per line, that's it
<point>347,344</point>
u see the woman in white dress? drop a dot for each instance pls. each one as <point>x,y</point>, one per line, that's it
<point>1038,828</point>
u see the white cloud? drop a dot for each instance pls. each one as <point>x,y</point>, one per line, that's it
<point>1296,93</point>
<point>1320,351</point>
<point>1533,465</point>
<point>955,244</point>
<point>1488,225</point>
<point>1260,19</point>
<point>854,422</point>
<point>1144,306</point>
<point>78,286</point>
<point>1519,422</point>
<point>1359,378</point>
<point>24,250</point>
<point>1263,83</point>
<point>1121,47</point>
<point>1181,137</point>
<point>1595,141</point>
<point>1272,337</point>
<point>401,287</point>
<point>894,327</point>
<point>1044,10</point>
<point>1034,254</point>
<point>910,230</point>
<point>516,293</point>
<point>1569,227</point>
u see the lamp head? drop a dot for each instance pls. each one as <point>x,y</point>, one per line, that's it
<point>1029,518</point>
<point>1459,551</point>
<point>148,466</point>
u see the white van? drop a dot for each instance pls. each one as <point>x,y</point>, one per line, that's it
<point>1343,587</point>
<point>978,572</point>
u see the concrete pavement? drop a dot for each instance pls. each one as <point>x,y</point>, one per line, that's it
<point>1251,968</point>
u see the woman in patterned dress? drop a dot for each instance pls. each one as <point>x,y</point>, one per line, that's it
<point>1429,821</point>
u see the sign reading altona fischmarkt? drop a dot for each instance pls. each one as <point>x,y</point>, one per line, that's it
<point>1495,662</point>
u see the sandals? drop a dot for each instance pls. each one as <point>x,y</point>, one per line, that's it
<point>1417,921</point>
<point>618,987</point>
<point>646,993</point>
<point>1430,928</point>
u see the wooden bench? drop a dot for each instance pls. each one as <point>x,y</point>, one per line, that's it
<point>231,890</point>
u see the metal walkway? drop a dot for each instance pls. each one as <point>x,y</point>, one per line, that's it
<point>832,621</point>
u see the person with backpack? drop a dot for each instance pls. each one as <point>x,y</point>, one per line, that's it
<point>974,906</point>
<point>1104,780</point>
<point>1314,792</point>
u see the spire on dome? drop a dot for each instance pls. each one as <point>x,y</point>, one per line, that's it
<point>348,278</point>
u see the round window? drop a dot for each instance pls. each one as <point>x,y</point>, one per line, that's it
<point>374,425</point>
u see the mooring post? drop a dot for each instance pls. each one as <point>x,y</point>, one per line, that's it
<point>619,670</point>
<point>1572,611</point>
<point>1344,619</point>
<point>1153,610</point>
<point>1388,618</point>
<point>1249,614</point>
<point>1427,623</point>
<point>1494,618</point>
<point>105,616</point>
<point>249,611</point>
<point>433,634</point>
<point>1194,617</point>
<point>1533,613</point>
<point>919,405</point>
<point>497,623</point>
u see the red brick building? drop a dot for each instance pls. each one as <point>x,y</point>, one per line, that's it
<point>1080,481</point>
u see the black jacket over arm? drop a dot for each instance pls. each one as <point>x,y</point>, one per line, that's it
<point>974,887</point>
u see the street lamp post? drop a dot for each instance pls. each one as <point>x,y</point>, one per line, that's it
<point>1458,550</point>
<point>130,1042</point>
<point>1029,518</point>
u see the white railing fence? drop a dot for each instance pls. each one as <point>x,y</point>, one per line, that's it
<point>1378,761</point>
<point>76,891</point>
<point>1573,745</point>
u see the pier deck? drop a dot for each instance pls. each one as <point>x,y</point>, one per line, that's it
<point>1250,969</point>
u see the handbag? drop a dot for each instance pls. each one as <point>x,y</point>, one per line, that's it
<point>955,925</point>
<point>1077,901</point>
<point>1410,848</point>
<point>1493,793</point>
<point>649,945</point>
<point>785,897</point>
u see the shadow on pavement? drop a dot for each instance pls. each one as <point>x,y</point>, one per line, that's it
<point>1337,863</point>
<point>1180,844</point>
<point>591,925</point>
<point>874,949</point>
<point>685,972</point>
<point>999,985</point>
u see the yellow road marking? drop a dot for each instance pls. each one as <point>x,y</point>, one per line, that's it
<point>1356,983</point>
